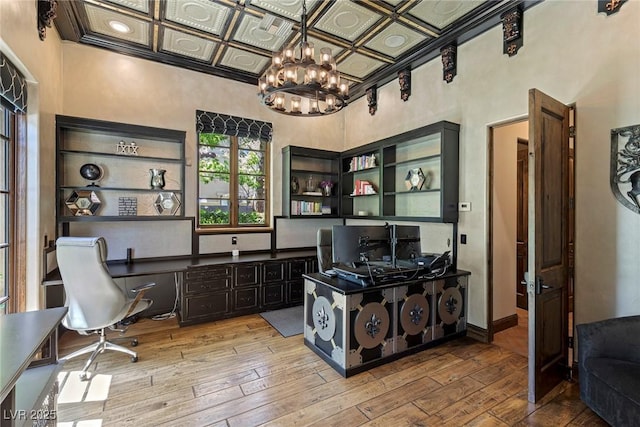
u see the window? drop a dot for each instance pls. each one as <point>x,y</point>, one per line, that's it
<point>6,203</point>
<point>233,165</point>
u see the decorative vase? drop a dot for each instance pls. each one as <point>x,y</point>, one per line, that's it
<point>311,184</point>
<point>157,178</point>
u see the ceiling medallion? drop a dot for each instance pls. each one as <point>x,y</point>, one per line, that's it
<point>289,80</point>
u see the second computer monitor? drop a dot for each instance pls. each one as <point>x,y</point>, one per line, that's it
<point>360,243</point>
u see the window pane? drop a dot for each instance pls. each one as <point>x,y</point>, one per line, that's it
<point>214,185</point>
<point>214,159</point>
<point>4,158</point>
<point>3,277</point>
<point>251,187</point>
<point>251,162</point>
<point>251,144</point>
<point>213,212</point>
<point>3,122</point>
<point>251,212</point>
<point>4,226</point>
<point>214,140</point>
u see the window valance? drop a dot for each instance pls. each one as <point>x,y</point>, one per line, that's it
<point>207,122</point>
<point>13,86</point>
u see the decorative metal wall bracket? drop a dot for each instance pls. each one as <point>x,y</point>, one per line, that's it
<point>404,78</point>
<point>512,30</point>
<point>449,62</point>
<point>610,6</point>
<point>625,166</point>
<point>46,15</point>
<point>372,99</point>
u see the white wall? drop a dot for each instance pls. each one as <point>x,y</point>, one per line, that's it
<point>41,63</point>
<point>575,55</point>
<point>505,216</point>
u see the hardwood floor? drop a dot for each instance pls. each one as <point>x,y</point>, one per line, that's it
<point>242,372</point>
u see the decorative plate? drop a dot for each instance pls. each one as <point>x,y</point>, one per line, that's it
<point>83,203</point>
<point>414,179</point>
<point>91,172</point>
<point>167,203</point>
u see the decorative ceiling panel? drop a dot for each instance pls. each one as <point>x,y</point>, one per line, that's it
<point>359,65</point>
<point>187,45</point>
<point>199,14</point>
<point>290,9</point>
<point>103,21</point>
<point>441,13</point>
<point>140,5</point>
<point>250,33</point>
<point>243,60</point>
<point>395,40</point>
<point>371,40</point>
<point>347,20</point>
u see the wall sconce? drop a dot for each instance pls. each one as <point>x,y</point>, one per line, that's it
<point>512,30</point>
<point>372,99</point>
<point>404,78</point>
<point>449,62</point>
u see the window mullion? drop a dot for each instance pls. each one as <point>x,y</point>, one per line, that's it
<point>234,203</point>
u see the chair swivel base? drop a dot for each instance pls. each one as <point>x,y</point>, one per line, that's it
<point>99,347</point>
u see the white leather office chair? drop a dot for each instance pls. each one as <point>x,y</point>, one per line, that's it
<point>325,259</point>
<point>95,301</point>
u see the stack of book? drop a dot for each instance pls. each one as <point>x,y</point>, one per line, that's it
<point>362,162</point>
<point>362,187</point>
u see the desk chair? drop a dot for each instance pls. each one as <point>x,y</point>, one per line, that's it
<point>325,257</point>
<point>95,301</point>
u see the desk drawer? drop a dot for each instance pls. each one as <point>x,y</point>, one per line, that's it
<point>206,306</point>
<point>296,269</point>
<point>273,272</point>
<point>273,294</point>
<point>245,298</point>
<point>208,272</point>
<point>247,274</point>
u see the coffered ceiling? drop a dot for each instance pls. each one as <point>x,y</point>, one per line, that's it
<point>371,39</point>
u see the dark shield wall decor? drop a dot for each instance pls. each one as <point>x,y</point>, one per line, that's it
<point>625,166</point>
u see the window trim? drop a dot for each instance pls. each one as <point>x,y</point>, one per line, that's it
<point>233,226</point>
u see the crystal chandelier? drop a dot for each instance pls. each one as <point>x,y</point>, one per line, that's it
<point>290,80</point>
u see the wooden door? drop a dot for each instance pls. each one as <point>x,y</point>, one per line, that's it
<point>522,194</point>
<point>548,242</point>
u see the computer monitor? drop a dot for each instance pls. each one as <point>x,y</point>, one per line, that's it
<point>407,242</point>
<point>352,244</point>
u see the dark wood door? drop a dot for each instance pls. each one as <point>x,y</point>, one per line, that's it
<point>522,193</point>
<point>548,242</point>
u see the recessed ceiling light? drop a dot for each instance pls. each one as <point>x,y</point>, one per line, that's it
<point>119,26</point>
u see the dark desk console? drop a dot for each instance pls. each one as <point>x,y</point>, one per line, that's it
<point>354,327</point>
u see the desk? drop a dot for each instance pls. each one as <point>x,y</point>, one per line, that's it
<point>213,287</point>
<point>355,328</point>
<point>25,382</point>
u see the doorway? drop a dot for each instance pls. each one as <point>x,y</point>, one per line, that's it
<point>508,231</point>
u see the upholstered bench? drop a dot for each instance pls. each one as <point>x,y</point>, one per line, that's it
<point>609,369</point>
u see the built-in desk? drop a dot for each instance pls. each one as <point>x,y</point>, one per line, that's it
<point>27,376</point>
<point>354,328</point>
<point>216,287</point>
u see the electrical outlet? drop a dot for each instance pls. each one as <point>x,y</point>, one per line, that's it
<point>463,239</point>
<point>234,240</point>
<point>464,206</point>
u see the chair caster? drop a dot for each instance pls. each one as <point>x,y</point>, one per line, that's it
<point>134,342</point>
<point>134,359</point>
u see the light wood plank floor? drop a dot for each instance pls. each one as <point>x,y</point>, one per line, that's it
<point>242,372</point>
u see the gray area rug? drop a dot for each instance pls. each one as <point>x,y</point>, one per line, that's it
<point>287,321</point>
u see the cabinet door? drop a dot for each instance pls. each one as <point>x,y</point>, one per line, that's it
<point>296,268</point>
<point>273,272</point>
<point>247,274</point>
<point>273,295</point>
<point>295,291</point>
<point>246,298</point>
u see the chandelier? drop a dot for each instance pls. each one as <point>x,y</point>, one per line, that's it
<point>290,80</point>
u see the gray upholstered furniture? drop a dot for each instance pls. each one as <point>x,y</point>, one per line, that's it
<point>325,259</point>
<point>609,368</point>
<point>95,301</point>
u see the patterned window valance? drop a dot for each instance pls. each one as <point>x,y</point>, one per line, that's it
<point>13,86</point>
<point>207,122</point>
